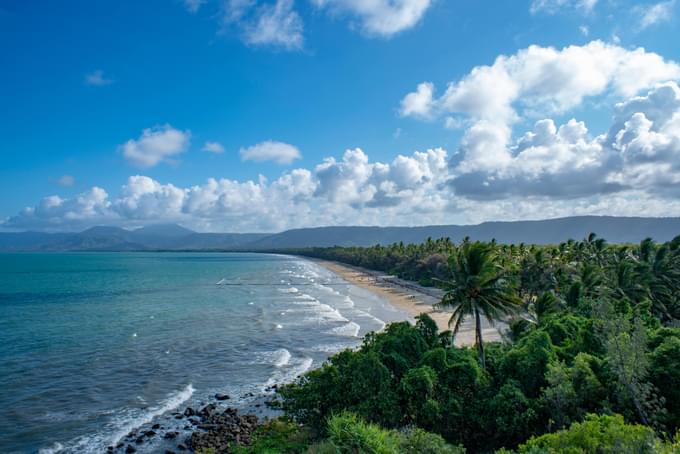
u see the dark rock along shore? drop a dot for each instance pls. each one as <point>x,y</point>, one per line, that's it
<point>211,427</point>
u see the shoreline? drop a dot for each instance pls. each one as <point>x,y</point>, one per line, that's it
<point>411,298</point>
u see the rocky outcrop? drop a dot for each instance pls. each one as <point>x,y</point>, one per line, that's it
<point>221,430</point>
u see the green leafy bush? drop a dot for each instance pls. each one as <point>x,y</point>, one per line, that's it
<point>350,435</point>
<point>597,435</point>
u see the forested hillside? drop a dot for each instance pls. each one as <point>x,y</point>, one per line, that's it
<point>591,361</point>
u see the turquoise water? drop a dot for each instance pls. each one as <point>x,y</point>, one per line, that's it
<point>93,345</point>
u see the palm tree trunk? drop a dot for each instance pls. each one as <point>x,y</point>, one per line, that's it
<point>480,342</point>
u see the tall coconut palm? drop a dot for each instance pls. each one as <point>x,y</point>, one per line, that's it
<point>477,287</point>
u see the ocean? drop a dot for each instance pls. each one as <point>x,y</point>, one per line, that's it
<point>95,345</point>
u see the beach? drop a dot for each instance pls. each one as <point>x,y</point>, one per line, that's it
<point>411,298</point>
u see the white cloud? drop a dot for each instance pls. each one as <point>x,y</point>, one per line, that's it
<point>543,80</point>
<point>380,17</point>
<point>276,24</point>
<point>350,191</point>
<point>550,171</point>
<point>54,213</point>
<point>66,181</point>
<point>97,78</point>
<point>641,152</point>
<point>533,83</point>
<point>194,5</point>
<point>556,6</point>
<point>557,168</point>
<point>279,152</point>
<point>420,102</point>
<point>213,147</point>
<point>655,13</point>
<point>156,145</point>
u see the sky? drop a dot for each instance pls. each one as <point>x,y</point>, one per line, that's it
<point>265,115</point>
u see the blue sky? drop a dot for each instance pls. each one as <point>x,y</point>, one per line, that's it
<point>109,108</point>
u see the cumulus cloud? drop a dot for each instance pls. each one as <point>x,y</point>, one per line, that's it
<point>155,145</point>
<point>213,147</point>
<point>533,83</point>
<point>655,13</point>
<point>55,213</point>
<point>279,152</point>
<point>640,152</point>
<point>551,162</point>
<point>351,190</point>
<point>97,78</point>
<point>556,6</point>
<point>420,102</point>
<point>555,168</point>
<point>551,170</point>
<point>543,80</point>
<point>380,17</point>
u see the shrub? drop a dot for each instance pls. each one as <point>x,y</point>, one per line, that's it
<point>596,435</point>
<point>277,436</point>
<point>418,441</point>
<point>350,435</point>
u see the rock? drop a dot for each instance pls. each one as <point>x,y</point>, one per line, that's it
<point>189,412</point>
<point>170,435</point>
<point>179,416</point>
<point>218,430</point>
<point>139,441</point>
<point>109,448</point>
<point>167,451</point>
<point>149,433</point>
<point>221,396</point>
<point>156,426</point>
<point>181,447</point>
<point>120,445</point>
<point>207,410</point>
<point>130,449</point>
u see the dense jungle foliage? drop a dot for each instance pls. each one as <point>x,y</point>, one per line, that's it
<point>590,363</point>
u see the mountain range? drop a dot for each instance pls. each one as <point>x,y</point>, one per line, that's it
<point>177,238</point>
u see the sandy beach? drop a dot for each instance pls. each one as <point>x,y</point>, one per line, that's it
<point>411,298</point>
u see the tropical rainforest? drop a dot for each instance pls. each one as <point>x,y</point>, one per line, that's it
<point>590,362</point>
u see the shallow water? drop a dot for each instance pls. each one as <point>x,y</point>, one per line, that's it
<point>93,345</point>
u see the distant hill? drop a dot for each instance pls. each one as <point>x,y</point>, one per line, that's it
<point>175,237</point>
<point>613,229</point>
<point>102,238</point>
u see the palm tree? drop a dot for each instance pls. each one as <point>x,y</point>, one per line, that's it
<point>477,287</point>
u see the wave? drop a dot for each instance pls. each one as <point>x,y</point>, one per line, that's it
<point>289,373</point>
<point>380,322</point>
<point>332,348</point>
<point>326,288</point>
<point>118,428</point>
<point>289,290</point>
<point>281,357</point>
<point>350,329</point>
<point>305,297</point>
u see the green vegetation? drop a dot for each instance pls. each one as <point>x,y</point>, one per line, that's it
<point>590,362</point>
<point>346,434</point>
